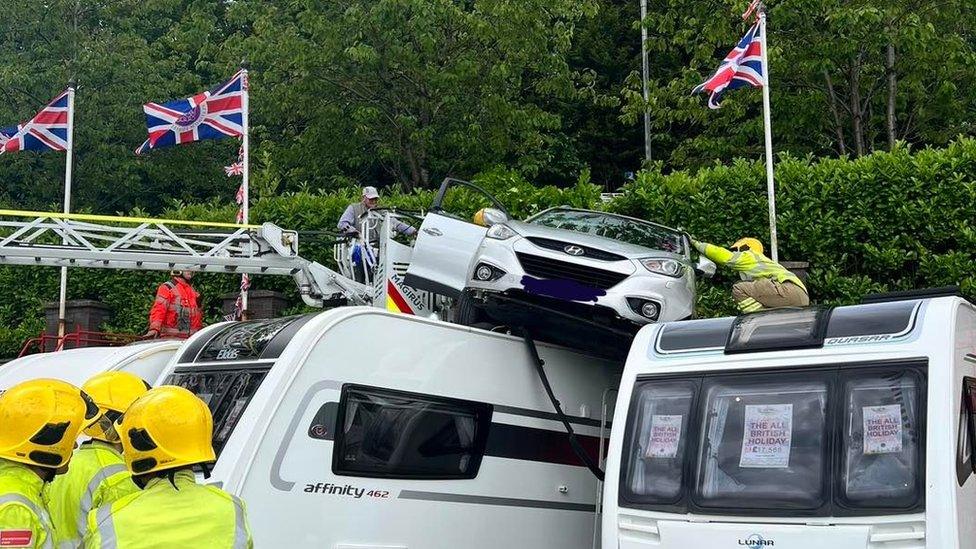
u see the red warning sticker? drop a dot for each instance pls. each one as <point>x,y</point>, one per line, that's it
<point>16,538</point>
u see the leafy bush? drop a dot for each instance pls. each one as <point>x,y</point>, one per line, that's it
<point>887,221</point>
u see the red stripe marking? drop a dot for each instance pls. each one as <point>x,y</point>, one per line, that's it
<point>755,48</point>
<point>212,121</point>
<point>48,117</point>
<point>199,98</point>
<point>224,104</point>
<point>16,538</point>
<point>394,294</point>
<point>162,110</point>
<point>46,140</point>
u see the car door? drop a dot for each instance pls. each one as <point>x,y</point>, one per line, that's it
<point>448,240</point>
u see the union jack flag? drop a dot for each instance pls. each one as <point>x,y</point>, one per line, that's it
<point>48,130</point>
<point>212,114</point>
<point>741,68</point>
<point>237,168</point>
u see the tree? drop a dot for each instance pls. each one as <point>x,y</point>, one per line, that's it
<point>417,88</point>
<point>848,77</point>
<point>122,53</point>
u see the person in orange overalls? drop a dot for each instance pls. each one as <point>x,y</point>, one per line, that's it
<point>176,311</point>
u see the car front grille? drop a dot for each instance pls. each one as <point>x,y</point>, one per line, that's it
<point>560,246</point>
<point>544,267</point>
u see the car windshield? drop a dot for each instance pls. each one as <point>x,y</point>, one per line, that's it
<point>619,228</point>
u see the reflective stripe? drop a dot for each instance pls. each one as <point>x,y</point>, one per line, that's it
<point>240,528</point>
<point>89,495</point>
<point>106,530</point>
<point>41,514</point>
<point>749,305</point>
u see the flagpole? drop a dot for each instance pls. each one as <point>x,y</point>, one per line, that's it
<point>767,127</point>
<point>644,77</point>
<point>67,208</point>
<point>245,206</point>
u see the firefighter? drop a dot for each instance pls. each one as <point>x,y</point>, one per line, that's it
<point>351,222</point>
<point>765,284</point>
<point>97,472</point>
<point>164,434</point>
<point>363,254</point>
<point>176,311</point>
<point>39,422</point>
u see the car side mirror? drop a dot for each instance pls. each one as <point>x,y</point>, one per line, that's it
<point>494,216</point>
<point>705,267</point>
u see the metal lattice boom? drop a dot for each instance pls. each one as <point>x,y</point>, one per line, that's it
<point>109,242</point>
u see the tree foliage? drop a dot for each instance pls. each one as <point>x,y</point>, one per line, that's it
<point>836,67</point>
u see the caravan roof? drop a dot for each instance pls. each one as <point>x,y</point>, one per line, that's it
<point>144,359</point>
<point>786,330</point>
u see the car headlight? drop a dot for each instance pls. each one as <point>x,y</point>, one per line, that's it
<point>666,267</point>
<point>500,232</point>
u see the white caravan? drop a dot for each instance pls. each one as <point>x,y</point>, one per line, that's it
<point>360,428</point>
<point>144,359</point>
<point>848,428</point>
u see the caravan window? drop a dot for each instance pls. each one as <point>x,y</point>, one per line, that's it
<point>392,434</point>
<point>656,470</point>
<point>837,440</point>
<point>763,442</point>
<point>226,392</point>
<point>881,431</point>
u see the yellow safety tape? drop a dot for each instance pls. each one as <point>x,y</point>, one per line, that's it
<point>123,219</point>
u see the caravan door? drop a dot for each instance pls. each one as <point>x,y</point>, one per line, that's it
<point>448,238</point>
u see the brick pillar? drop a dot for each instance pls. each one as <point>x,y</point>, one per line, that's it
<point>260,304</point>
<point>79,315</point>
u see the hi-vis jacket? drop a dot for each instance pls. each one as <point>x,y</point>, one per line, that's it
<point>176,311</point>
<point>163,516</point>
<point>749,265</point>
<point>24,521</point>
<point>96,475</point>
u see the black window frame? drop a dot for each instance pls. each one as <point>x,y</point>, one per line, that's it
<point>693,431</point>
<point>842,505</point>
<point>437,206</point>
<point>834,418</point>
<point>825,375</point>
<point>969,414</point>
<point>479,443</point>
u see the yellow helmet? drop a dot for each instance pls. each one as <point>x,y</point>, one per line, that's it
<point>113,393</point>
<point>749,243</point>
<point>479,218</point>
<point>40,420</point>
<point>166,428</point>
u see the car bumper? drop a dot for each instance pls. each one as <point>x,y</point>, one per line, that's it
<point>674,296</point>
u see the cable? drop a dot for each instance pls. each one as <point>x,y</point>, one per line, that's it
<point>573,441</point>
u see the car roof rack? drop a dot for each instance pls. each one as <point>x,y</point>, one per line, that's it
<point>945,291</point>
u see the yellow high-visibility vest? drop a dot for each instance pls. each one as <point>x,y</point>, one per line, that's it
<point>749,265</point>
<point>24,521</point>
<point>165,515</point>
<point>96,475</point>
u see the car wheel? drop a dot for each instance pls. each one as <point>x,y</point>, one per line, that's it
<point>468,313</point>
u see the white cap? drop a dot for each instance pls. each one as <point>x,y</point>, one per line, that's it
<point>370,192</point>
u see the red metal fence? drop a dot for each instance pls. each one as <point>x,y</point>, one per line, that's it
<point>45,343</point>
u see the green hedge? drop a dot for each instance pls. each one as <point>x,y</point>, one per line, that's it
<point>888,221</point>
